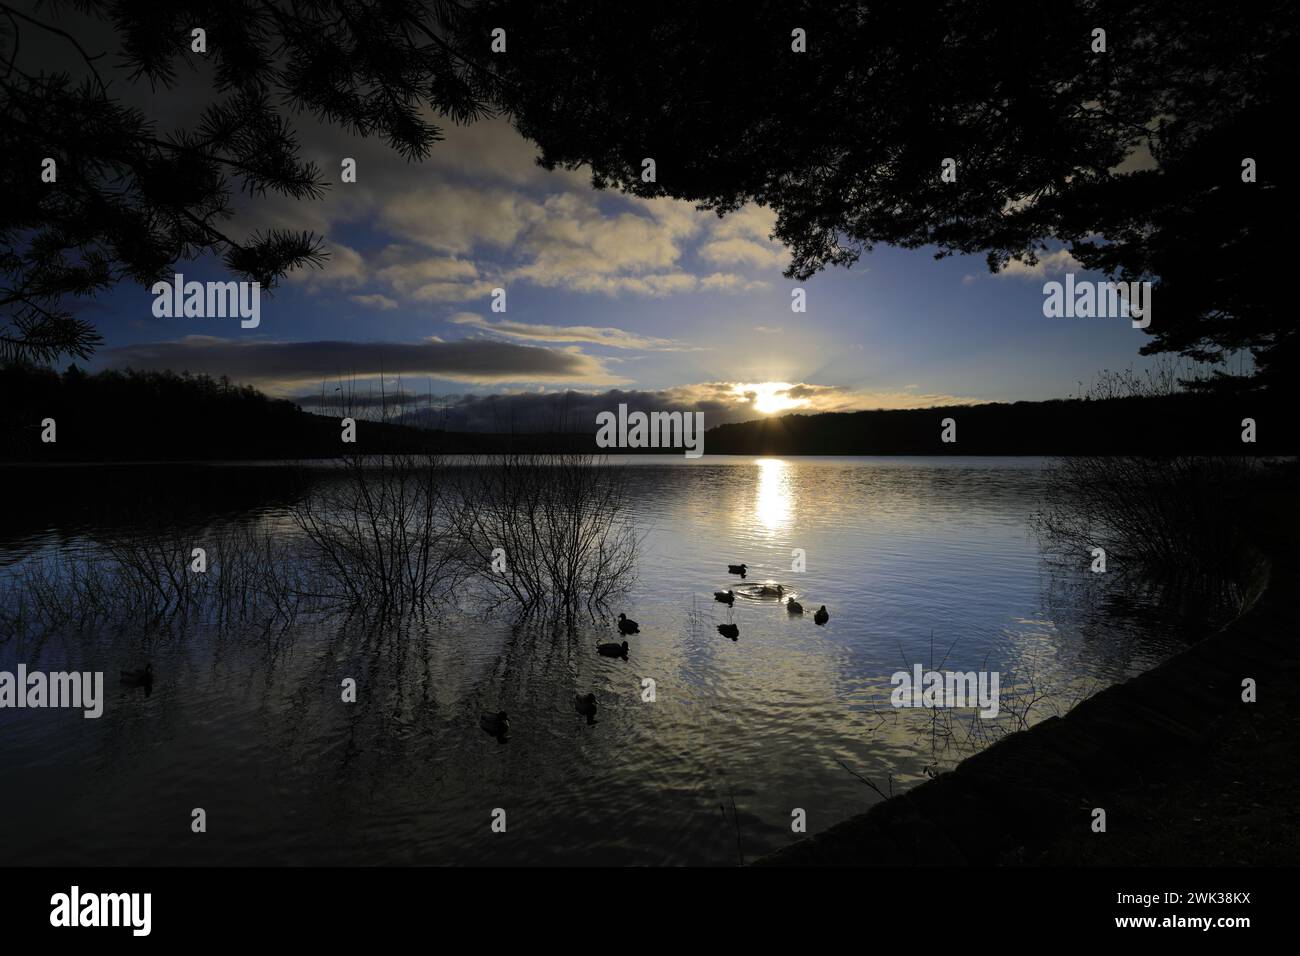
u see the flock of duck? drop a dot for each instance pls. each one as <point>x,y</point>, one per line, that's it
<point>728,597</point>
<point>628,626</point>
<point>498,724</point>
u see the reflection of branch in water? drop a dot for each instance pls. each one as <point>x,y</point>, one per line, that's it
<point>740,850</point>
<point>251,580</point>
<point>881,793</point>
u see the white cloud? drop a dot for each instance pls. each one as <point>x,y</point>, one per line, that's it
<point>430,279</point>
<point>742,239</point>
<point>730,282</point>
<point>459,219</point>
<point>480,199</point>
<point>1049,263</point>
<point>376,301</point>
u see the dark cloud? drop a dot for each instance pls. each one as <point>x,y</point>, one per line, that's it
<point>807,391</point>
<point>286,366</point>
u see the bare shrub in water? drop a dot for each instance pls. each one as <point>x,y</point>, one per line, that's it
<point>551,535</point>
<point>1172,519</point>
<point>384,535</point>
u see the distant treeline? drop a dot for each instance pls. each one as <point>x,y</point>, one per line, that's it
<point>139,416</point>
<point>1155,425</point>
<point>135,416</point>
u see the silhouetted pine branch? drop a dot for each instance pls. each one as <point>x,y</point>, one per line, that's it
<point>131,201</point>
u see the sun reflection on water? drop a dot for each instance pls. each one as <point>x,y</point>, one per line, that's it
<point>774,500</point>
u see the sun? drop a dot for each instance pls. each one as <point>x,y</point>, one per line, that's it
<point>772,397</point>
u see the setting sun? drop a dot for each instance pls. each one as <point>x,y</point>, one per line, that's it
<point>770,397</point>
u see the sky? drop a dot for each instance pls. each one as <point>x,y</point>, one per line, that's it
<point>615,298</point>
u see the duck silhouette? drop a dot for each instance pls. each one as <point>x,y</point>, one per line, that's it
<point>613,650</point>
<point>497,725</point>
<point>729,630</point>
<point>585,705</point>
<point>627,626</point>
<point>821,617</point>
<point>771,590</point>
<point>793,606</point>
<point>139,678</point>
<point>737,569</point>
<point>726,597</point>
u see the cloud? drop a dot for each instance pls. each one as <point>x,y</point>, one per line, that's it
<point>480,199</point>
<point>575,244</point>
<point>381,302</point>
<point>743,252</point>
<point>458,219</point>
<point>730,282</point>
<point>282,367</point>
<point>430,279</point>
<point>1049,263</point>
<point>742,238</point>
<point>614,338</point>
<point>344,267</point>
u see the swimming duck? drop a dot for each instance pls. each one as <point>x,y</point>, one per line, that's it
<point>771,590</point>
<point>498,724</point>
<point>613,650</point>
<point>585,704</point>
<point>729,630</point>
<point>737,569</point>
<point>138,678</point>
<point>821,617</point>
<point>793,606</point>
<point>627,626</point>
<point>726,597</point>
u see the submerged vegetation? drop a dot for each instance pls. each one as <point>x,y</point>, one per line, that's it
<point>1174,520</point>
<point>551,535</point>
<point>535,537</point>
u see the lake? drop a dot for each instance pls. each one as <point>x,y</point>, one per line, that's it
<point>928,560</point>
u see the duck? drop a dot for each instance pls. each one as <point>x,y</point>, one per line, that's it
<point>771,590</point>
<point>138,678</point>
<point>498,724</point>
<point>793,606</point>
<point>613,650</point>
<point>585,704</point>
<point>821,617</point>
<point>729,630</point>
<point>737,569</point>
<point>726,597</point>
<point>627,626</point>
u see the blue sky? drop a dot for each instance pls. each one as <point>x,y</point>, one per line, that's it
<point>606,291</point>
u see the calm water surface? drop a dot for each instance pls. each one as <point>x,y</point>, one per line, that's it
<point>918,560</point>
